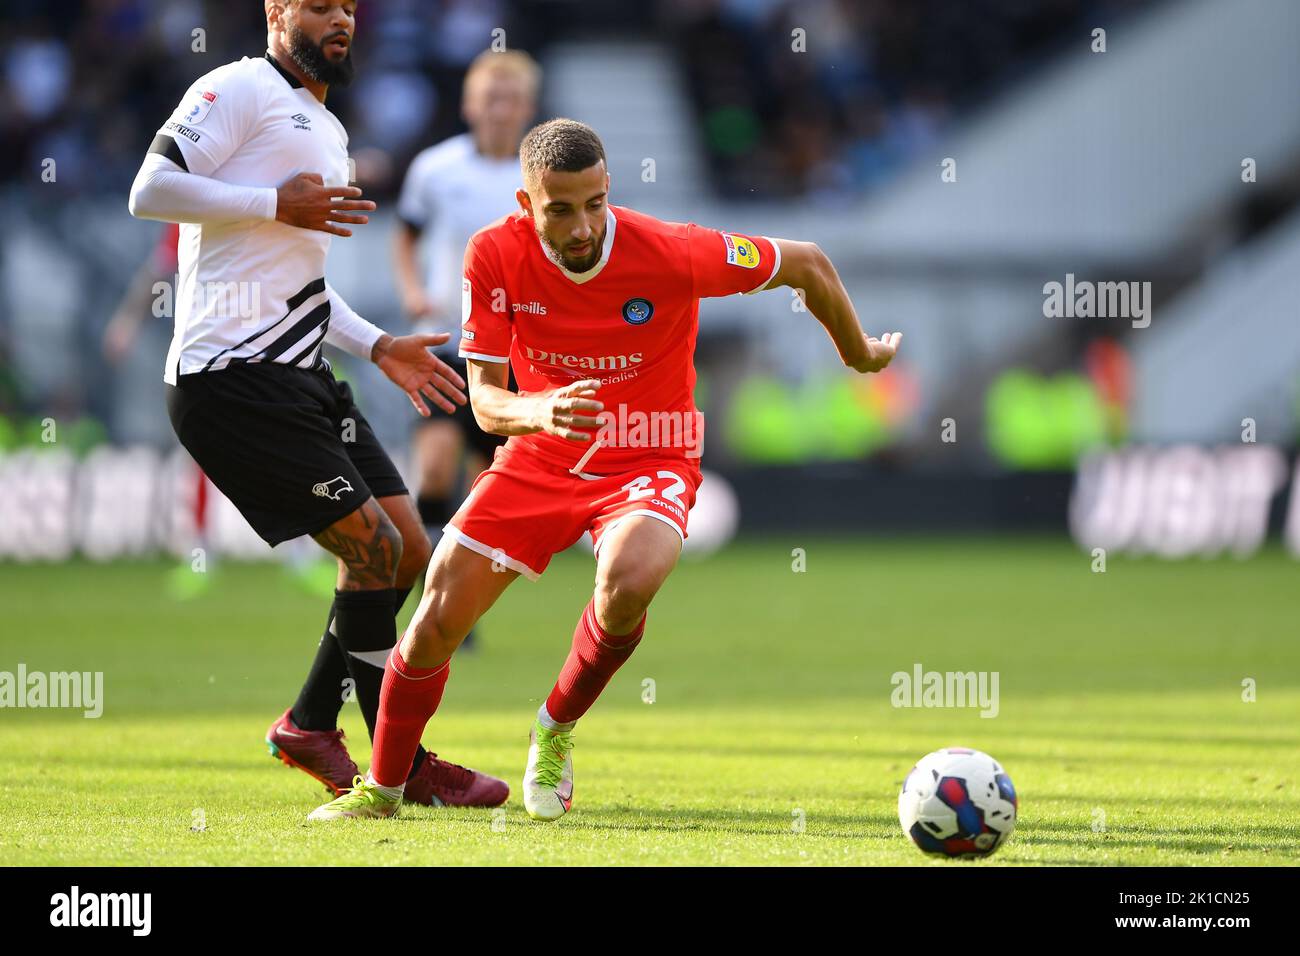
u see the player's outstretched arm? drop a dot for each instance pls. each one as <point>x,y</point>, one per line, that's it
<point>810,272</point>
<point>409,365</point>
<point>558,411</point>
<point>405,359</point>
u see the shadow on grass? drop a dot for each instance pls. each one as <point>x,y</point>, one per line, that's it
<point>1266,800</point>
<point>614,817</point>
<point>1202,839</point>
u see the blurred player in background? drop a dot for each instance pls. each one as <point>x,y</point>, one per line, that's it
<point>137,303</point>
<point>119,336</point>
<point>255,168</point>
<point>597,309</point>
<point>452,190</point>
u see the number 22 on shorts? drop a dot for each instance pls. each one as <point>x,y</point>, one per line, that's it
<point>642,487</point>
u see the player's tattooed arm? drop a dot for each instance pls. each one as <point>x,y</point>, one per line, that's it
<point>558,411</point>
<point>810,272</point>
<point>368,545</point>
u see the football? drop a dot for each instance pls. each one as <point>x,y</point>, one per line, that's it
<point>958,802</point>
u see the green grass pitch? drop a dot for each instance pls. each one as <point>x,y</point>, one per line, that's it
<point>771,739</point>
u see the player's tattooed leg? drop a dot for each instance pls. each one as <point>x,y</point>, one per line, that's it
<point>368,546</point>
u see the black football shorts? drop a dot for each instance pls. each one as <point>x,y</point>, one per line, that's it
<point>288,446</point>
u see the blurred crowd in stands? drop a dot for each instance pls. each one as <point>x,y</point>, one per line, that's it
<point>879,82</point>
<point>86,82</point>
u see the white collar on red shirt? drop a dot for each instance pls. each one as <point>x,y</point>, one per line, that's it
<point>581,277</point>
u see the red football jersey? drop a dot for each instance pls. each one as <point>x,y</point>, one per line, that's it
<point>630,321</point>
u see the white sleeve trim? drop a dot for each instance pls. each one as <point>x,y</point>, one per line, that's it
<point>349,331</point>
<point>483,357</point>
<point>776,267</point>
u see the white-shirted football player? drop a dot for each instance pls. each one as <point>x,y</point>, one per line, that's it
<point>256,170</point>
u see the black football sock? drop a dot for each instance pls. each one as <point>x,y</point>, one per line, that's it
<point>321,697</point>
<point>366,631</point>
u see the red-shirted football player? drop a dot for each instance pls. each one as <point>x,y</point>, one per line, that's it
<point>596,308</point>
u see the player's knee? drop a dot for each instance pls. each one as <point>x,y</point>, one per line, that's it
<point>372,559</point>
<point>430,639</point>
<point>622,598</point>
<point>423,644</point>
<point>386,547</point>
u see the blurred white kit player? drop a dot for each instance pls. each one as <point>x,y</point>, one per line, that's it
<point>453,190</point>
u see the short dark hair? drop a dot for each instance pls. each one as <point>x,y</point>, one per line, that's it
<point>559,145</point>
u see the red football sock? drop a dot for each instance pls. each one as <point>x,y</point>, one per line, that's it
<point>593,661</point>
<point>408,697</point>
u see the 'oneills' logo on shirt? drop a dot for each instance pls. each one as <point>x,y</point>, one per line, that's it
<point>741,251</point>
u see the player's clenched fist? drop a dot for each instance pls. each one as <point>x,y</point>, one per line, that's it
<point>880,352</point>
<point>306,202</point>
<point>574,406</point>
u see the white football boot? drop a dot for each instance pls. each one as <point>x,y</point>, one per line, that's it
<point>548,778</point>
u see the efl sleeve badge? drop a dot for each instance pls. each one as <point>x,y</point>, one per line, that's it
<point>741,251</point>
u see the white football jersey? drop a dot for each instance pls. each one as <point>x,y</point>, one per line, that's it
<point>451,192</point>
<point>252,291</point>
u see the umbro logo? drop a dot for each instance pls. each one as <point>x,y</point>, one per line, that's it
<point>301,121</point>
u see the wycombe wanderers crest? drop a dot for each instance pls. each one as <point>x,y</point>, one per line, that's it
<point>638,311</point>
